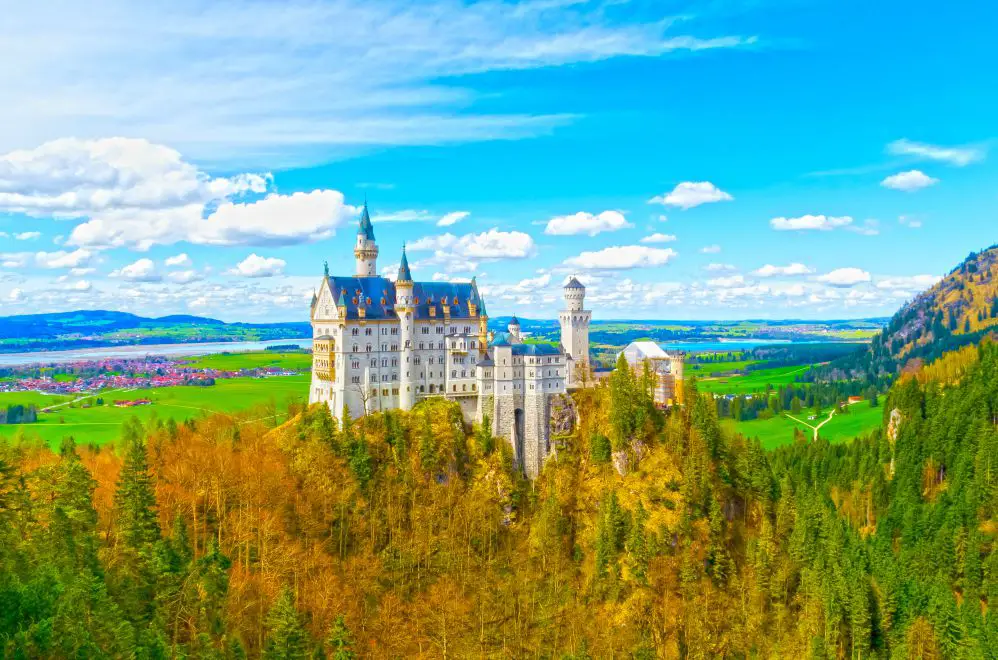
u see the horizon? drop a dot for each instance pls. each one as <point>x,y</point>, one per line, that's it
<point>734,162</point>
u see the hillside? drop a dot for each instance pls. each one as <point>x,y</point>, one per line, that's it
<point>92,328</point>
<point>649,535</point>
<point>958,310</point>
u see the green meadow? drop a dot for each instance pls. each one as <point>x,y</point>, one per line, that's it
<point>249,397</point>
<point>772,433</point>
<point>298,361</point>
<point>752,381</point>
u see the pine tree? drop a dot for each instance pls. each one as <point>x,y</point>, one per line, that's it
<point>287,638</point>
<point>360,461</point>
<point>340,641</point>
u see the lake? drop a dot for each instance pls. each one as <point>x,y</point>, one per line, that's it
<point>208,348</point>
<point>169,350</point>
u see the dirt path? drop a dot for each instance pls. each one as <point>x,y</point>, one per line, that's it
<point>831,414</point>
<point>82,398</point>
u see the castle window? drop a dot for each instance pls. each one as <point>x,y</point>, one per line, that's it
<point>384,347</point>
<point>464,388</point>
<point>356,348</point>
<point>384,331</point>
<point>455,388</point>
<point>384,392</point>
<point>367,331</point>
<point>368,348</point>
<point>395,331</point>
<point>453,374</point>
<point>354,332</point>
<point>384,363</point>
<point>354,379</point>
<point>368,300</point>
<point>395,390</point>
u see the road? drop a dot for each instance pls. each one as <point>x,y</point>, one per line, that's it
<point>831,414</point>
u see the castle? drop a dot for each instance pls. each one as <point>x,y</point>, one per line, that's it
<point>383,345</point>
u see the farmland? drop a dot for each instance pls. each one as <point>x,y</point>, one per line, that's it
<point>860,420</point>
<point>249,397</point>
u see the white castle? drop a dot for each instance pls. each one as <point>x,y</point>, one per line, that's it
<point>383,345</point>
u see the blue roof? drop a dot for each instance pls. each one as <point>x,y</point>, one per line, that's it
<point>535,349</point>
<point>574,284</point>
<point>514,320</point>
<point>366,229</point>
<point>426,294</point>
<point>501,339</point>
<point>404,274</point>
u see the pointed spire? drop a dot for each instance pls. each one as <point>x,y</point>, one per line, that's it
<point>325,268</point>
<point>315,298</point>
<point>404,274</point>
<point>366,228</point>
<point>342,302</point>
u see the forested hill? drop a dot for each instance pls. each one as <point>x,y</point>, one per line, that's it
<point>89,328</point>
<point>650,534</point>
<point>958,310</point>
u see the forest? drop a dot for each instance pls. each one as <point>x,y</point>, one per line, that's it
<point>650,534</point>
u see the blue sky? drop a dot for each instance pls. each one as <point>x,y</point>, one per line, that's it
<point>708,160</point>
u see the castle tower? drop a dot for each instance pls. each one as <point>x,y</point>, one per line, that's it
<point>405,307</point>
<point>483,320</point>
<point>514,330</point>
<point>574,322</point>
<point>366,251</point>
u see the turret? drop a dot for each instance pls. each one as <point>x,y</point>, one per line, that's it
<point>405,309</point>
<point>514,329</point>
<point>574,322</point>
<point>366,251</point>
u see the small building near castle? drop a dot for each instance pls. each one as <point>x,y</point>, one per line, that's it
<point>667,367</point>
<point>381,344</point>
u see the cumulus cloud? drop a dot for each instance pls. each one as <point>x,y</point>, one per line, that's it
<point>727,282</point>
<point>133,193</point>
<point>81,285</point>
<point>143,270</point>
<point>184,276</point>
<point>256,266</point>
<point>462,253</point>
<point>845,277</point>
<point>810,222</point>
<point>909,181</point>
<point>910,283</point>
<point>689,194</point>
<point>178,260</point>
<point>623,257</point>
<point>770,270</point>
<point>719,268</point>
<point>27,235</point>
<point>52,260</point>
<point>959,156</point>
<point>452,218</point>
<point>659,238</point>
<point>586,223</point>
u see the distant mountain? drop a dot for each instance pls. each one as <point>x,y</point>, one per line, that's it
<point>958,310</point>
<point>91,328</point>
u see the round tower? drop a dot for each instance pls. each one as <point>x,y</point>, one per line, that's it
<point>405,308</point>
<point>574,320</point>
<point>366,250</point>
<point>514,330</point>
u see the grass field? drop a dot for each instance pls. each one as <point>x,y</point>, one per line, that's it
<point>298,361</point>
<point>101,424</point>
<point>753,381</point>
<point>707,369</point>
<point>777,431</point>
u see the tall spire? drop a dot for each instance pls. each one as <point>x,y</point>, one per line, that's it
<point>404,274</point>
<point>366,228</point>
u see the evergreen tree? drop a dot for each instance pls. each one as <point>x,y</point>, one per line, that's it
<point>287,638</point>
<point>340,641</point>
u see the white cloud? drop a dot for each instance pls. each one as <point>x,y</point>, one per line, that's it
<point>15,295</point>
<point>845,277</point>
<point>870,227</point>
<point>959,156</point>
<point>689,194</point>
<point>727,282</point>
<point>143,270</point>
<point>908,221</point>
<point>178,260</point>
<point>909,181</point>
<point>257,266</point>
<point>719,268</point>
<point>586,223</point>
<point>452,218</point>
<point>913,283</point>
<point>81,285</point>
<point>464,253</point>
<point>710,249</point>
<point>300,81</point>
<point>623,257</point>
<point>27,235</point>
<point>184,276</point>
<point>405,215</point>
<point>772,271</point>
<point>659,238</point>
<point>807,222</point>
<point>76,259</point>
